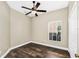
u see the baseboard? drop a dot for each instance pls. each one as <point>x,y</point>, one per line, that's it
<point>50,45</point>
<point>32,42</point>
<point>20,45</point>
<point>14,48</point>
<point>72,54</point>
<point>5,53</point>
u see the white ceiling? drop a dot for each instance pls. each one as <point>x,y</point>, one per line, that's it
<point>45,5</point>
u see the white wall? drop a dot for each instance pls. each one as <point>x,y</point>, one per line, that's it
<point>78,30</point>
<point>17,28</point>
<point>20,28</point>
<point>40,27</point>
<point>4,27</point>
<point>72,29</point>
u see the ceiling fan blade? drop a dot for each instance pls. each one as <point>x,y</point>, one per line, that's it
<point>41,10</point>
<point>37,5</point>
<point>28,13</point>
<point>36,14</point>
<point>26,8</point>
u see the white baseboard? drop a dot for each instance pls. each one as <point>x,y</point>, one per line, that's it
<point>50,45</point>
<point>32,42</point>
<point>20,45</point>
<point>5,53</point>
<point>72,54</point>
<point>14,48</point>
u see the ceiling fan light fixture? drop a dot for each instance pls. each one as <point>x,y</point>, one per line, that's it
<point>33,12</point>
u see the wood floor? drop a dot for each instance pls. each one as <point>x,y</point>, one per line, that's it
<point>33,50</point>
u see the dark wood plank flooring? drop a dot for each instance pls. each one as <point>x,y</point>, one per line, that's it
<point>33,50</point>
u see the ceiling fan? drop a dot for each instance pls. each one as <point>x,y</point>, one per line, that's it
<point>34,8</point>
